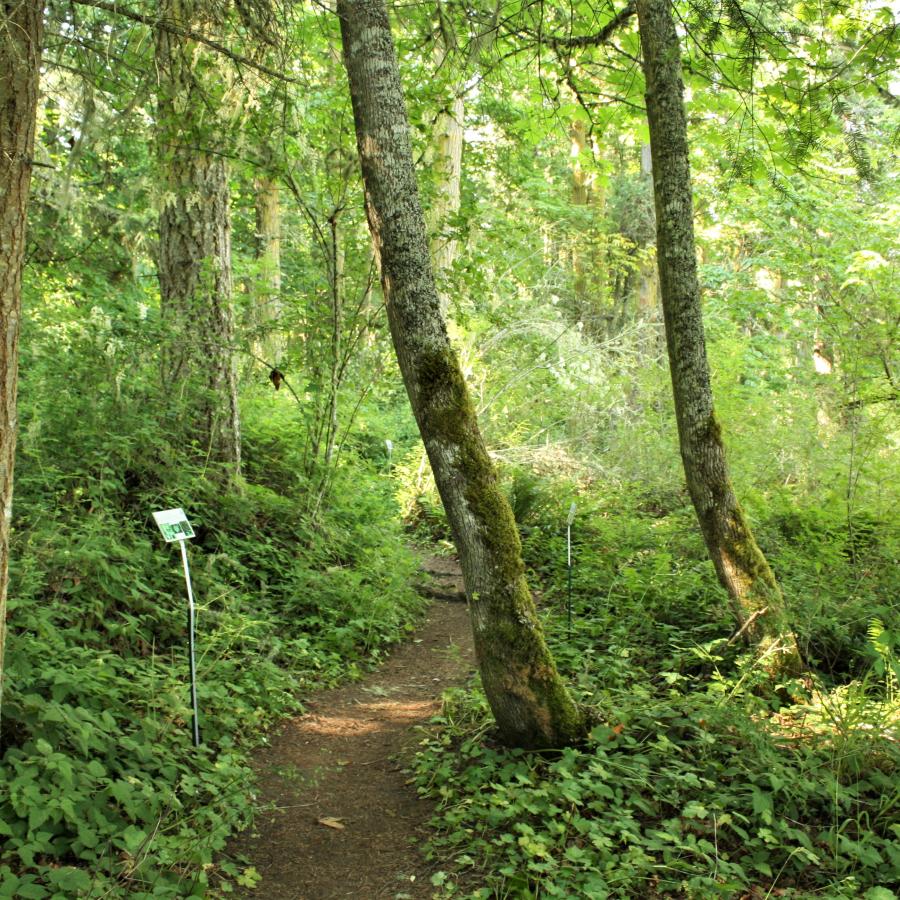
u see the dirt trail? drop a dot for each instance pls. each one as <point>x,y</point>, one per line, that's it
<point>344,760</point>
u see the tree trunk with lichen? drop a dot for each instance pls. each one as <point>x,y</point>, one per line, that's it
<point>194,261</point>
<point>445,159</point>
<point>742,569</point>
<point>270,344</point>
<point>581,199</point>
<point>529,699</point>
<point>21,28</point>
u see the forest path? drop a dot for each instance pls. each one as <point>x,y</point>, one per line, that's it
<point>344,761</point>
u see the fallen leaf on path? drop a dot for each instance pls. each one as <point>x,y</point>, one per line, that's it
<point>331,822</point>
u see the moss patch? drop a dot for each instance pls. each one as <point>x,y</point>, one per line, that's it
<point>532,705</point>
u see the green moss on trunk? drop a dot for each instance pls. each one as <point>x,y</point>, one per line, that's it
<point>517,669</point>
<point>526,694</point>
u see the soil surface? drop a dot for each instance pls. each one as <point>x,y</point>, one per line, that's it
<point>338,816</point>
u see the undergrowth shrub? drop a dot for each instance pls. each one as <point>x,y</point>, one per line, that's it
<point>694,784</point>
<point>104,794</point>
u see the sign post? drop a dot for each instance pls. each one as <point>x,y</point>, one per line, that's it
<point>390,450</point>
<point>569,522</point>
<point>174,525</point>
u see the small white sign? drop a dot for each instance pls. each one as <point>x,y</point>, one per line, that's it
<point>173,524</point>
<point>572,509</point>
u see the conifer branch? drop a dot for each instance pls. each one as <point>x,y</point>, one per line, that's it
<point>190,34</point>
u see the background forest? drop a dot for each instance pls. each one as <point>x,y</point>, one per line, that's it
<point>203,326</point>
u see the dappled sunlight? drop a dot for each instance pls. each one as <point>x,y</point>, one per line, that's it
<point>649,350</point>
<point>848,717</point>
<point>343,725</point>
<point>369,718</point>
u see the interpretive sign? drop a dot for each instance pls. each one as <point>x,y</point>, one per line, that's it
<point>174,525</point>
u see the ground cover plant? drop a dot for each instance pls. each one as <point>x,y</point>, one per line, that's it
<point>233,235</point>
<point>693,782</point>
<point>103,793</point>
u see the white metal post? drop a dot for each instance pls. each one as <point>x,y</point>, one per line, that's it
<point>569,521</point>
<point>191,617</point>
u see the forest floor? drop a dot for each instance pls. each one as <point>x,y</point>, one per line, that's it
<point>337,815</point>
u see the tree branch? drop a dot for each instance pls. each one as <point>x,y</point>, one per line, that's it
<point>155,22</point>
<point>599,38</point>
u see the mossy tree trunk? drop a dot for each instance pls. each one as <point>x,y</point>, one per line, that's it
<point>529,700</point>
<point>21,28</point>
<point>194,261</point>
<point>742,569</point>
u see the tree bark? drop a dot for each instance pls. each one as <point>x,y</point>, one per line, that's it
<point>195,245</point>
<point>446,161</point>
<point>528,698</point>
<point>267,311</point>
<point>21,29</point>
<point>337,319</point>
<point>742,569</point>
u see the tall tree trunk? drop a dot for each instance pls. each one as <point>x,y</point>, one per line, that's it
<point>195,244</point>
<point>445,159</point>
<point>742,569</point>
<point>581,198</point>
<point>21,28</point>
<point>267,307</point>
<point>447,163</point>
<point>529,700</point>
<point>447,148</point>
<point>337,318</point>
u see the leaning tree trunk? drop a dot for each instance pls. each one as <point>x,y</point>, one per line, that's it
<point>529,700</point>
<point>21,27</point>
<point>195,246</point>
<point>742,569</point>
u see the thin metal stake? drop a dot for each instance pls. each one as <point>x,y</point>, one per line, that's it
<point>195,724</point>
<point>569,522</point>
<point>569,566</point>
